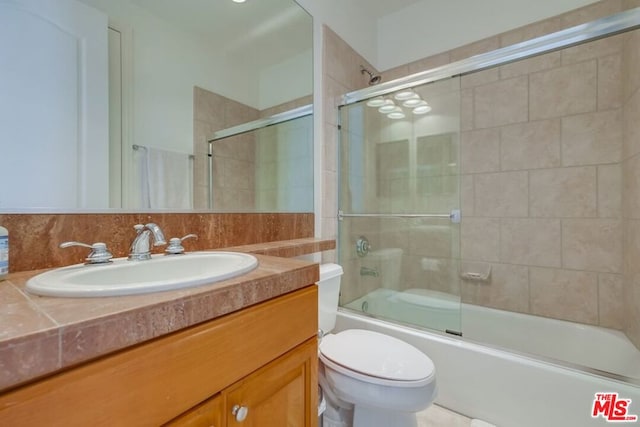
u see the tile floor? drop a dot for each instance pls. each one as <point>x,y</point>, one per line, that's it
<point>437,416</point>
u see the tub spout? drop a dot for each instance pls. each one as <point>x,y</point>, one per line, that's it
<point>366,271</point>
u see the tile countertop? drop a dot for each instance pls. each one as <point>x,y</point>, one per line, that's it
<point>42,335</point>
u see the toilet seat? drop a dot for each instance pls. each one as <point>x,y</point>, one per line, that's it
<point>376,358</point>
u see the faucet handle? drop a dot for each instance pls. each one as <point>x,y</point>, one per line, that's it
<point>175,244</point>
<point>99,253</point>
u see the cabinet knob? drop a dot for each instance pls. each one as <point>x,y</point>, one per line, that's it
<point>240,412</point>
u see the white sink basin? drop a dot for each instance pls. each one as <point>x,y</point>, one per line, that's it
<point>160,273</point>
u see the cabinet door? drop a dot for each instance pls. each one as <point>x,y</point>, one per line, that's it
<point>207,414</point>
<point>281,394</point>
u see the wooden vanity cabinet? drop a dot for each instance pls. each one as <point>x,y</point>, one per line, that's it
<point>255,367</point>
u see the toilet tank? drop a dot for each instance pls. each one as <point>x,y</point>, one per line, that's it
<point>328,295</point>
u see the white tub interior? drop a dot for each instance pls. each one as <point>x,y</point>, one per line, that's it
<point>506,389</point>
<point>583,345</point>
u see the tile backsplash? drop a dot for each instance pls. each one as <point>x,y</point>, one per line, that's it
<point>34,238</point>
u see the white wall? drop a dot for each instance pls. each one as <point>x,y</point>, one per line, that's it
<point>432,26</point>
<point>428,26</point>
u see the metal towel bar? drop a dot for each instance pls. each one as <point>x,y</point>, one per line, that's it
<point>454,215</point>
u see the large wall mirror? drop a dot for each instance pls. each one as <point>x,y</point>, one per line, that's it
<point>110,105</point>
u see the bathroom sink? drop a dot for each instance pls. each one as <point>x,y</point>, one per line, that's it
<point>160,273</point>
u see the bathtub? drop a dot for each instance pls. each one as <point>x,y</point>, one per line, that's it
<point>510,388</point>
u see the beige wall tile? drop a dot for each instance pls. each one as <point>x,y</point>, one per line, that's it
<point>632,280</point>
<point>610,82</point>
<point>467,195</point>
<point>480,151</point>
<point>431,241</point>
<point>330,190</point>
<point>531,65</point>
<point>530,145</point>
<point>466,110</point>
<point>592,245</point>
<point>531,31</point>
<point>592,138</point>
<point>566,192</point>
<point>395,73</point>
<point>631,64</point>
<point>507,288</point>
<point>630,4</point>
<point>501,103</point>
<point>610,191</point>
<point>480,239</point>
<point>591,12</point>
<point>631,187</point>
<point>429,63</point>
<point>531,241</point>
<point>503,194</point>
<point>563,91</point>
<point>330,148</point>
<point>564,294</point>
<point>592,50</point>
<point>480,78</point>
<point>631,126</point>
<point>476,48</point>
<point>611,301</point>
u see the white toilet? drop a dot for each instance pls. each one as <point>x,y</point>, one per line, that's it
<point>381,380</point>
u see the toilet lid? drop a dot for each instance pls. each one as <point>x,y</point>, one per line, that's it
<point>377,355</point>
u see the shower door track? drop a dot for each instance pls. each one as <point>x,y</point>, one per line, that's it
<point>454,215</point>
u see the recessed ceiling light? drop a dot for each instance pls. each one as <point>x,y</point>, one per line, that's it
<point>413,102</point>
<point>239,1</point>
<point>422,109</point>
<point>405,94</point>
<point>388,107</point>
<point>378,101</point>
<point>396,115</point>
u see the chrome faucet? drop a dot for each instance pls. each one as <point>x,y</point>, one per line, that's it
<point>140,248</point>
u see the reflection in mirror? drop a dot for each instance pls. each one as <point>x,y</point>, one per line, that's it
<point>91,79</point>
<point>268,169</point>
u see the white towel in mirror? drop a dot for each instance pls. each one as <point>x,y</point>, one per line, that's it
<point>165,179</point>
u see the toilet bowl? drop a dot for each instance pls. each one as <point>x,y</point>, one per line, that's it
<point>382,381</point>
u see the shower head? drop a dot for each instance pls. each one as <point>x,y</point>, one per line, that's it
<point>374,79</point>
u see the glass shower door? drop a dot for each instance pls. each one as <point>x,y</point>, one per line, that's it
<point>399,237</point>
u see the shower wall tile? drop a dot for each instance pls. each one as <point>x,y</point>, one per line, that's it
<point>531,241</point>
<point>592,50</point>
<point>480,239</point>
<point>563,192</point>
<point>563,91</point>
<point>592,245</point>
<point>611,301</point>
<point>475,48</point>
<point>610,82</point>
<point>433,61</point>
<point>480,78</point>
<point>609,191</point>
<point>480,151</point>
<point>630,64</point>
<point>564,294</point>
<point>591,12</point>
<point>531,31</point>
<point>501,103</point>
<point>531,65</point>
<point>466,109</point>
<point>530,145</point>
<point>631,126</point>
<point>503,194</point>
<point>631,187</point>
<point>467,195</point>
<point>431,241</point>
<point>592,138</point>
<point>507,288</point>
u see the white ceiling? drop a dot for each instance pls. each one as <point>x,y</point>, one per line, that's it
<point>258,31</point>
